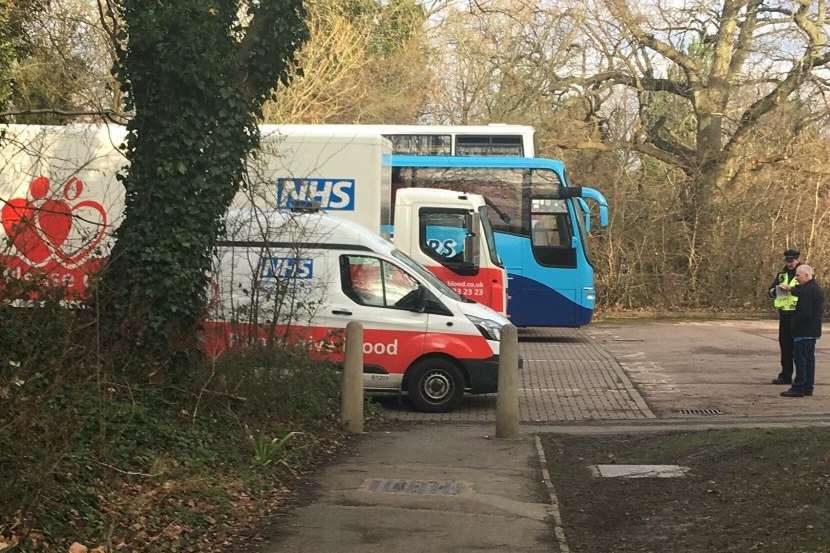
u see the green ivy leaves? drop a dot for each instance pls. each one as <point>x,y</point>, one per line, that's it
<point>196,78</point>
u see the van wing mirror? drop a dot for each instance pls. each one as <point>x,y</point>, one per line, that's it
<point>471,239</point>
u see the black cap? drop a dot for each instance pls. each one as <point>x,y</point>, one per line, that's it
<point>790,254</point>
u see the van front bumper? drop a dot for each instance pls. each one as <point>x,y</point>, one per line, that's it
<point>484,374</point>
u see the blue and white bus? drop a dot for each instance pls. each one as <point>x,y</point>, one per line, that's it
<point>540,223</point>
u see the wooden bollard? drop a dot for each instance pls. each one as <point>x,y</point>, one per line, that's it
<point>351,412</point>
<point>507,402</point>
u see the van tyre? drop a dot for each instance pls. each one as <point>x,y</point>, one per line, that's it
<point>435,385</point>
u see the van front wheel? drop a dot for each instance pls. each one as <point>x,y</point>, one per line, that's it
<point>435,385</point>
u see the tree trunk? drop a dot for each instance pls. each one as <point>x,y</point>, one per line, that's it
<point>197,84</point>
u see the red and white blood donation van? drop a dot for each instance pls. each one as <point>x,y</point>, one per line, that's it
<point>305,275</point>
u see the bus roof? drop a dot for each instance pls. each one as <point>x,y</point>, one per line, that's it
<point>500,162</point>
<point>490,129</point>
<point>359,133</point>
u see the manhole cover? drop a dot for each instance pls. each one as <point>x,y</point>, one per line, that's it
<point>703,412</point>
<point>425,487</point>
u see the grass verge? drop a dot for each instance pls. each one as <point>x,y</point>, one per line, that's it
<point>747,490</point>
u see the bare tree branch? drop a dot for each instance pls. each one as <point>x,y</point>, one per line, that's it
<point>797,75</point>
<point>109,115</point>
<point>743,43</point>
<point>111,26</point>
<point>620,10</point>
<point>641,147</point>
<point>724,41</point>
<point>671,145</point>
<point>645,82</point>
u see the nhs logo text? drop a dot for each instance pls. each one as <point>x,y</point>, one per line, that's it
<point>287,267</point>
<point>332,194</point>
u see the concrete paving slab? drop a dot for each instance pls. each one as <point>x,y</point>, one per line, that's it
<point>639,471</point>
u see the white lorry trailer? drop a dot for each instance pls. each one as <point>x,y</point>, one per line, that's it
<point>60,200</point>
<point>345,169</point>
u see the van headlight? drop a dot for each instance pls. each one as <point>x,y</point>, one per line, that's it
<point>490,329</point>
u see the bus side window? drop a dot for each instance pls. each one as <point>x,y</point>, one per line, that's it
<point>421,144</point>
<point>488,145</point>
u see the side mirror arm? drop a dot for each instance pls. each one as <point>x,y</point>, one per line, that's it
<point>597,196</point>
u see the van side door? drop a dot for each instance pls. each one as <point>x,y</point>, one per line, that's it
<point>377,292</point>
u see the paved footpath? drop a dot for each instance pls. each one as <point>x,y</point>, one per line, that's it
<point>442,484</point>
<point>426,489</point>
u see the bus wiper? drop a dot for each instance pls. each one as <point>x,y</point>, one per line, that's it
<point>502,215</point>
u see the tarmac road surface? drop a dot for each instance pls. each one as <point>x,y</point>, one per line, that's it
<point>635,370</point>
<point>705,365</point>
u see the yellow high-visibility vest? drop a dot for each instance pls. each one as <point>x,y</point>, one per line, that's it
<point>786,303</point>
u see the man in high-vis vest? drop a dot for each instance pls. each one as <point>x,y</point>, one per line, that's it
<point>785,303</point>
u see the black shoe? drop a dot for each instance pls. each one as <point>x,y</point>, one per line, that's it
<point>780,380</point>
<point>808,392</point>
<point>792,393</point>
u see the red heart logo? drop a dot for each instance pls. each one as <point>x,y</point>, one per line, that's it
<point>54,218</point>
<point>39,229</point>
<point>75,257</point>
<point>19,222</point>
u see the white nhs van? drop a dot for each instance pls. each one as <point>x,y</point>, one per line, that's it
<point>306,275</point>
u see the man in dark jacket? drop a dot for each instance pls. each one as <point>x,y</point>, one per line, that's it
<point>806,329</point>
<point>785,302</point>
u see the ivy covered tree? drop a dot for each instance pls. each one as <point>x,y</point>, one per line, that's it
<point>14,41</point>
<point>195,73</point>
<point>6,56</point>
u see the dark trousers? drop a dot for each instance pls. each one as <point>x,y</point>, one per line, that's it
<point>805,365</point>
<point>785,341</point>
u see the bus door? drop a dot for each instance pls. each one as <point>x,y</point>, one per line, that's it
<point>553,251</point>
